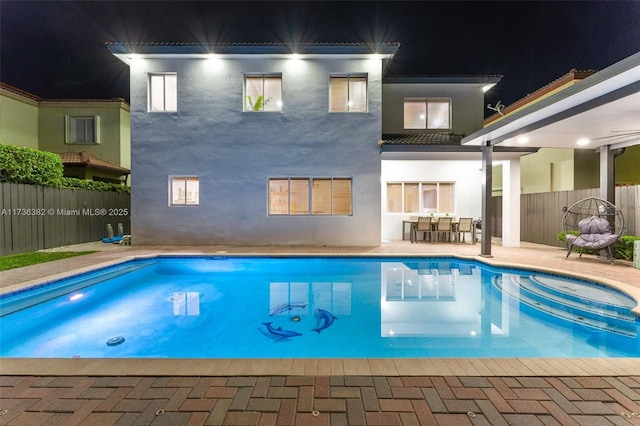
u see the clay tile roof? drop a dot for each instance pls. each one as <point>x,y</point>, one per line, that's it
<point>438,139</point>
<point>572,76</point>
<point>37,98</point>
<point>84,100</point>
<point>20,92</point>
<point>83,158</point>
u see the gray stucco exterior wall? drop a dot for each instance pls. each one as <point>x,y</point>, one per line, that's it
<point>234,153</point>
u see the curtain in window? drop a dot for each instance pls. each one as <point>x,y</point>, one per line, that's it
<point>415,113</point>
<point>438,115</point>
<point>339,94</point>
<point>411,198</point>
<point>342,197</point>
<point>357,94</point>
<point>278,196</point>
<point>299,196</point>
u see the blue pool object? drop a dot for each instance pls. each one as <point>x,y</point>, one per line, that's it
<point>255,307</point>
<point>112,239</point>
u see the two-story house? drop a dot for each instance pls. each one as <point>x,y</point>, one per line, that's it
<point>91,135</point>
<point>269,144</point>
<point>256,144</point>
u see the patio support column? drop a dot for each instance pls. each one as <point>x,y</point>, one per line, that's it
<point>511,203</point>
<point>487,214</point>
<point>607,174</point>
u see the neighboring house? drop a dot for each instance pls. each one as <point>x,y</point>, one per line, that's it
<point>261,144</point>
<point>91,135</point>
<point>562,169</point>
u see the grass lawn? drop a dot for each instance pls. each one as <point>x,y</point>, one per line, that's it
<point>32,258</point>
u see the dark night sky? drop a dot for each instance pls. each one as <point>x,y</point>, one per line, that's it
<point>55,49</point>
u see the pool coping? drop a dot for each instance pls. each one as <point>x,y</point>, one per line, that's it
<point>324,366</point>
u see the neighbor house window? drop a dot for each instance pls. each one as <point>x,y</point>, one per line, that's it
<point>163,92</point>
<point>430,114</point>
<point>82,130</point>
<point>184,191</point>
<point>348,93</point>
<point>263,92</point>
<point>420,197</point>
<point>310,196</point>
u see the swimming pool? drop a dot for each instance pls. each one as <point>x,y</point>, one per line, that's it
<point>249,307</point>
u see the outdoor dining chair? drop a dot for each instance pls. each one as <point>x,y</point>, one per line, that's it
<point>444,227</point>
<point>465,225</point>
<point>422,225</point>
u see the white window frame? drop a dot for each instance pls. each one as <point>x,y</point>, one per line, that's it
<point>349,76</point>
<point>424,125</point>
<point>186,179</point>
<point>70,135</point>
<point>421,208</point>
<point>247,104</point>
<point>151,97</point>
<point>310,181</point>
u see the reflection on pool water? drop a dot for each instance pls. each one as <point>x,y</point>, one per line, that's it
<point>246,307</point>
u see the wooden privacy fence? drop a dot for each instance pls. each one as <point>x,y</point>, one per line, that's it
<point>541,214</point>
<point>38,217</point>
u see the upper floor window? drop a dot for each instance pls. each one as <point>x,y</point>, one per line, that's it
<point>427,114</point>
<point>310,196</point>
<point>263,92</point>
<point>163,92</point>
<point>420,197</point>
<point>348,93</point>
<point>184,190</point>
<point>82,130</point>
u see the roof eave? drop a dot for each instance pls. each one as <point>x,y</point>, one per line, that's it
<point>126,51</point>
<point>395,147</point>
<point>452,79</point>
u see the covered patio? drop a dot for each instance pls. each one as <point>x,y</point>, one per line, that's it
<point>601,112</point>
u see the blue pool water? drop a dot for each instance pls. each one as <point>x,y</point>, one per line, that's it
<point>314,308</point>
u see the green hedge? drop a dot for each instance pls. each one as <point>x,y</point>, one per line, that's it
<point>29,166</point>
<point>33,167</point>
<point>622,250</point>
<point>75,183</point>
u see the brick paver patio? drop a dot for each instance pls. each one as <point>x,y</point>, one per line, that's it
<point>319,400</point>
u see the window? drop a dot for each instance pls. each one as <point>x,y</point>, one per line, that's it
<point>163,92</point>
<point>310,196</point>
<point>184,191</point>
<point>427,114</point>
<point>348,93</point>
<point>263,92</point>
<point>420,197</point>
<point>82,130</point>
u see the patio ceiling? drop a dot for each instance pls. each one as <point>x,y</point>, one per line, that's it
<point>603,109</point>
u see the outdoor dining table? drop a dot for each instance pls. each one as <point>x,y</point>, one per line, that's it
<point>454,227</point>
